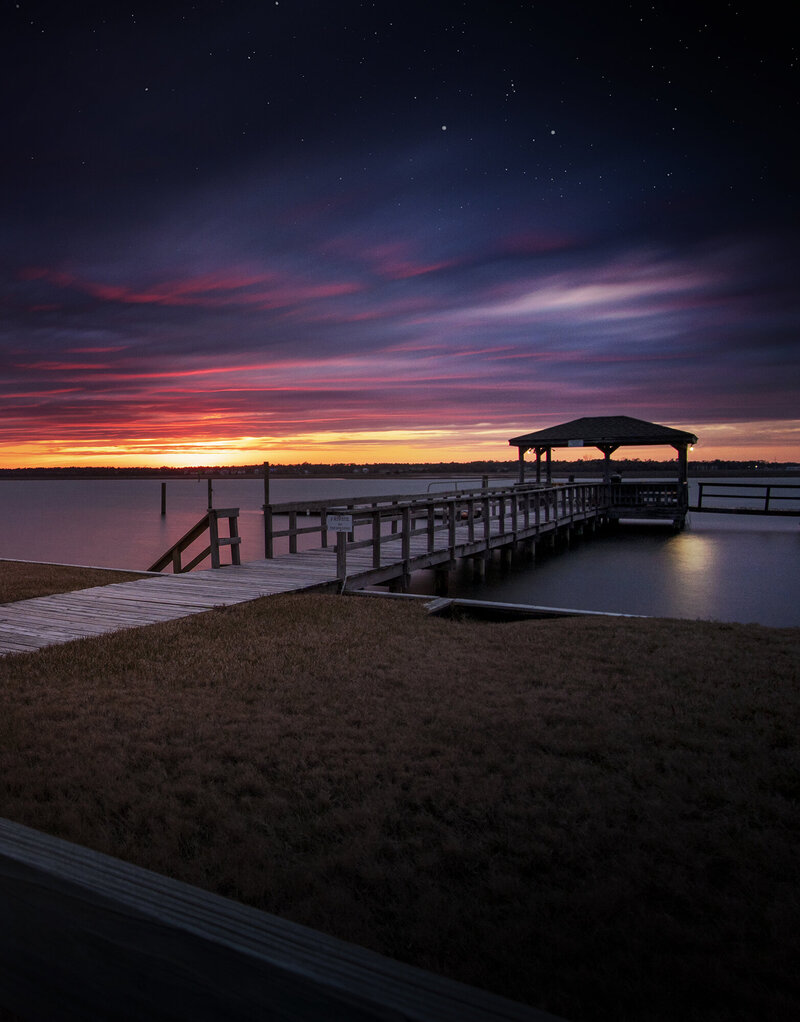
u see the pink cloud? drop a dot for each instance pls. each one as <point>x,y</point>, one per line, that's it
<point>257,290</point>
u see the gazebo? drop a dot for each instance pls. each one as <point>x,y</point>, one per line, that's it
<point>607,433</point>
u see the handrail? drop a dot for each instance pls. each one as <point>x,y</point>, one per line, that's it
<point>209,521</point>
<point>484,514</point>
<point>766,494</point>
<point>86,935</point>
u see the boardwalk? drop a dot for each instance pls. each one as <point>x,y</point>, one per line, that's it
<point>444,536</point>
<point>49,620</point>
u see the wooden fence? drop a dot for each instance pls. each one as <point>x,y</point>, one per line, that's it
<point>87,936</point>
<point>421,531</point>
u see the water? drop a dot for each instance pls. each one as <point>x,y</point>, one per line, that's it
<point>117,523</point>
<point>722,567</point>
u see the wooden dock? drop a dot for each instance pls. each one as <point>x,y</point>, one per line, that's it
<point>48,620</point>
<point>390,538</point>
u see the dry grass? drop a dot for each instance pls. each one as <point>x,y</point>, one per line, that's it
<point>22,581</point>
<point>595,816</point>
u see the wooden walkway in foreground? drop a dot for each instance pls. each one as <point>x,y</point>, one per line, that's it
<point>400,538</point>
<point>49,620</point>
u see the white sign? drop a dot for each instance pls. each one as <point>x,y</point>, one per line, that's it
<point>339,523</point>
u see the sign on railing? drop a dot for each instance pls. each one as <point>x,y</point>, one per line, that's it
<point>339,523</point>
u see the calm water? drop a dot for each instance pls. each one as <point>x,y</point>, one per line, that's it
<point>722,567</point>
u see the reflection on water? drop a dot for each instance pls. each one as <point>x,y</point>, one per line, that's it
<point>748,575</point>
<point>730,568</point>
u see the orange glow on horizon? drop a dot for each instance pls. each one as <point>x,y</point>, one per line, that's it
<point>767,442</point>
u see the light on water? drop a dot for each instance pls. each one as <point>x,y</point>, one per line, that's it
<point>723,567</point>
<point>747,574</point>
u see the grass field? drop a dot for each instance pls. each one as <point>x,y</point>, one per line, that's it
<point>595,816</point>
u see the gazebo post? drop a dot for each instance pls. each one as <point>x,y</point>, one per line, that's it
<point>608,450</point>
<point>521,464</point>
<point>539,464</point>
<point>547,454</point>
<point>683,474</point>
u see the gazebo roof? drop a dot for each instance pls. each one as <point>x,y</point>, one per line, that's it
<point>618,430</point>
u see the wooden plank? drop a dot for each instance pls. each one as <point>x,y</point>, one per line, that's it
<point>85,935</point>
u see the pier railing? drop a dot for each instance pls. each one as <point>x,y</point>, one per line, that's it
<point>210,523</point>
<point>399,528</point>
<point>760,497</point>
<point>645,495</point>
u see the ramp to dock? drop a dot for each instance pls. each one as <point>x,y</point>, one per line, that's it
<point>49,620</point>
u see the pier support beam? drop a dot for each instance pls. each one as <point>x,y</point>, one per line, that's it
<point>441,581</point>
<point>400,584</point>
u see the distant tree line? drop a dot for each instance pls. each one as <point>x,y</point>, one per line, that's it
<point>588,466</point>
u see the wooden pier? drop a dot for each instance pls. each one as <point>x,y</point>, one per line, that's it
<point>390,538</point>
<point>387,539</point>
<point>384,539</point>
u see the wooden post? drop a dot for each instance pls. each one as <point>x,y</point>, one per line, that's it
<point>341,556</point>
<point>376,538</point>
<point>210,492</point>
<point>269,552</point>
<point>431,528</point>
<point>292,532</point>
<point>521,465</point>
<point>233,532</point>
<point>163,498</point>
<point>451,527</point>
<point>683,477</point>
<point>213,528</point>
<point>405,539</point>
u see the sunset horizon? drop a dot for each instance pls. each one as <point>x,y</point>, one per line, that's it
<point>254,234</point>
<point>377,449</point>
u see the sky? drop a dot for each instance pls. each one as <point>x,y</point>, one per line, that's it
<point>364,232</point>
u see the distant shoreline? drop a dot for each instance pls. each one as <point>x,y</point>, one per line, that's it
<point>559,470</point>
